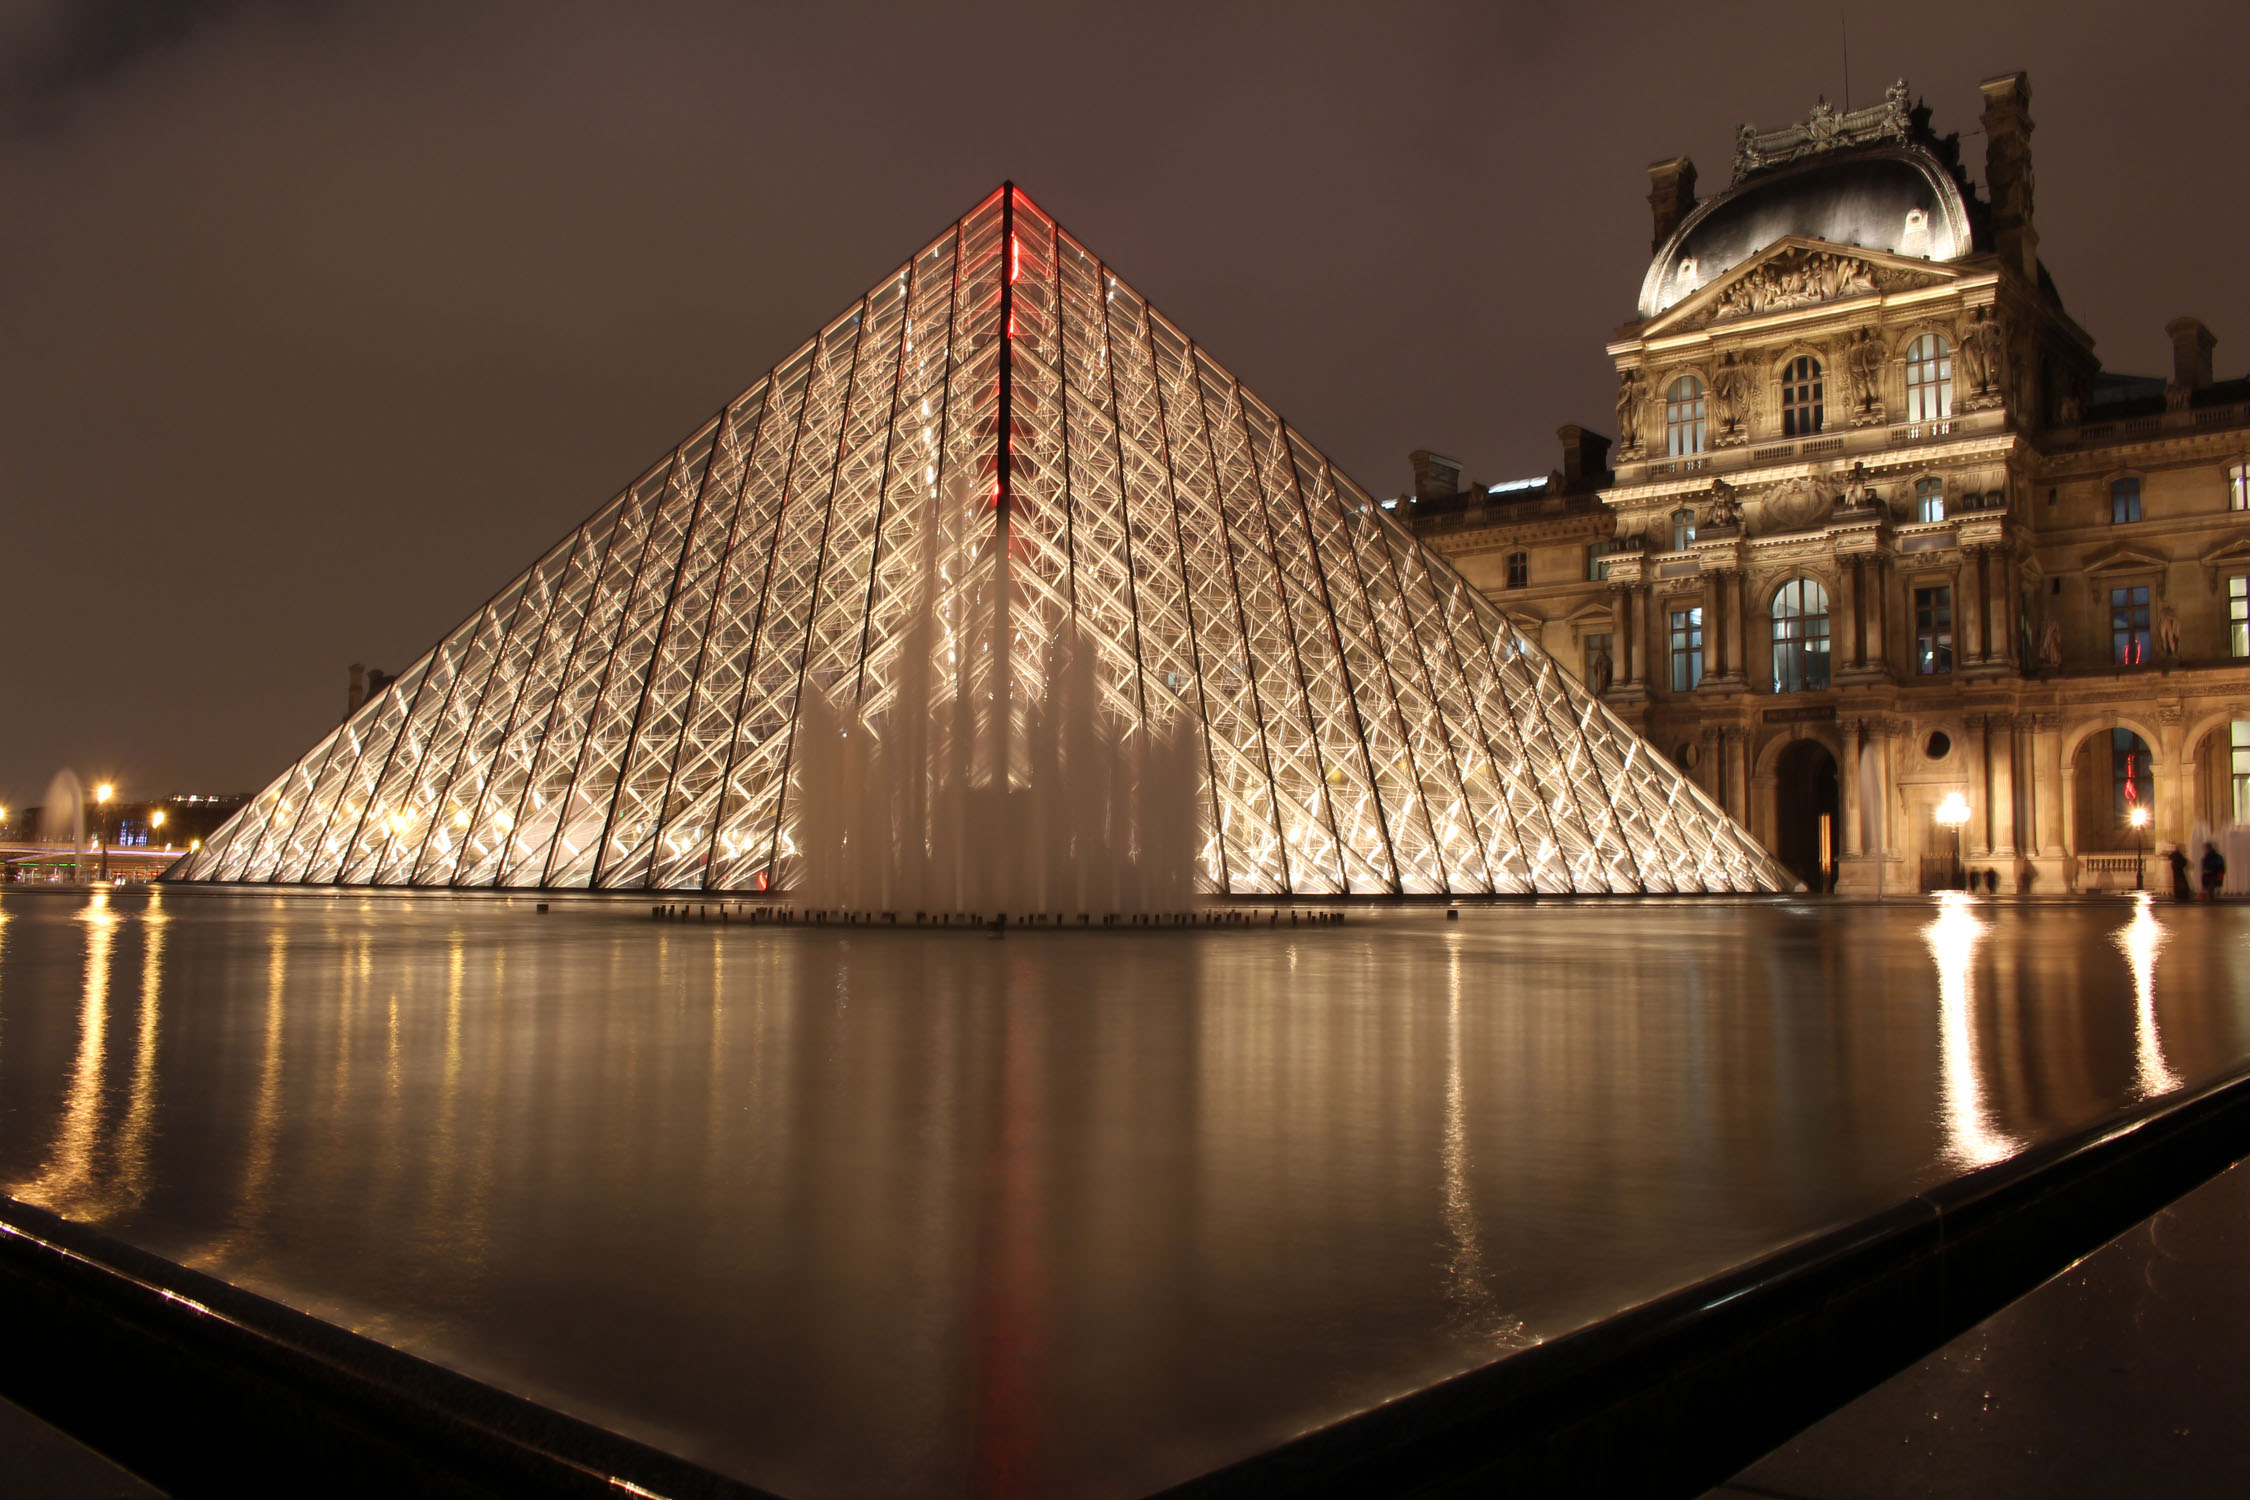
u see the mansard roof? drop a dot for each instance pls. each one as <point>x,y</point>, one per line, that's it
<point>1873,179</point>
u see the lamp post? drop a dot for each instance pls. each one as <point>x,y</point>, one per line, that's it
<point>1953,812</point>
<point>102,795</point>
<point>156,824</point>
<point>2138,817</point>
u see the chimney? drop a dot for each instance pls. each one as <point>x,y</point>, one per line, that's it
<point>1436,477</point>
<point>1585,458</point>
<point>1671,195</point>
<point>2007,171</point>
<point>356,694</point>
<point>2192,344</point>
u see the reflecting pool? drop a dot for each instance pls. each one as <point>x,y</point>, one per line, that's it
<point>899,1213</point>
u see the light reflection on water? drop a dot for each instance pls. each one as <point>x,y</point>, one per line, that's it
<point>903,1213</point>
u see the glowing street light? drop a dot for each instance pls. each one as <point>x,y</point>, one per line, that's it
<point>2138,817</point>
<point>102,794</point>
<point>1953,812</point>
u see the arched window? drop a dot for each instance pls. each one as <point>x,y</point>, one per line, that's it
<point>1519,569</point>
<point>1929,379</point>
<point>1800,637</point>
<point>2129,782</point>
<point>1800,397</point>
<point>1929,499</point>
<point>1683,529</point>
<point>1683,417</point>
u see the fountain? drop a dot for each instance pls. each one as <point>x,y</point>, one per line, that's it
<point>938,803</point>
<point>64,816</point>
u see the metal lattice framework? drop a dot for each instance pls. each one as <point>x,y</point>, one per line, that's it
<point>623,714</point>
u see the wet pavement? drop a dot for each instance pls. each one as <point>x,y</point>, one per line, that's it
<point>2125,1375</point>
<point>1089,1213</point>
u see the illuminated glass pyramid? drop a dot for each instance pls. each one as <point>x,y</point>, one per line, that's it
<point>1004,438</point>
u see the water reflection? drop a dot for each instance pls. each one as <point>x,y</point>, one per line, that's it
<point>1971,1139</point>
<point>898,1213</point>
<point>2140,939</point>
<point>67,1182</point>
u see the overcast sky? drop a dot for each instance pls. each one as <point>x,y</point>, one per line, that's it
<point>319,321</point>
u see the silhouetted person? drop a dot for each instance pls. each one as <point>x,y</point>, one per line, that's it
<point>2181,889</point>
<point>2214,871</point>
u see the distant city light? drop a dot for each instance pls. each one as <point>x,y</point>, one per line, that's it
<point>1516,484</point>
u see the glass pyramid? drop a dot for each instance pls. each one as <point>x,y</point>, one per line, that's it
<point>1004,437</point>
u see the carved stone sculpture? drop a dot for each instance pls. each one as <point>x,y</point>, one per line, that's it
<point>1827,129</point>
<point>1599,671</point>
<point>1632,392</point>
<point>1981,346</point>
<point>1730,395</point>
<point>1796,279</point>
<point>2050,641</point>
<point>1723,510</point>
<point>2168,629</point>
<point>1863,360</point>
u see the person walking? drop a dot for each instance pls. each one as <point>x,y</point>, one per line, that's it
<point>2181,889</point>
<point>2214,871</point>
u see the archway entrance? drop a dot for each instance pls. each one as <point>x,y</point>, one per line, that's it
<point>1806,826</point>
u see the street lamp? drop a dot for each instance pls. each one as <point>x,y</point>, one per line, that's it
<point>102,794</point>
<point>1953,812</point>
<point>156,823</point>
<point>2138,817</point>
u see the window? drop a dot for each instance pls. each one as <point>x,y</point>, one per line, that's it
<point>1800,397</point>
<point>2238,616</point>
<point>1519,569</point>
<point>2128,625</point>
<point>2238,487</point>
<point>1933,629</point>
<point>2124,501</point>
<point>1929,499</point>
<point>1687,648</point>
<point>2238,739</point>
<point>1597,562</point>
<point>1800,637</point>
<point>2128,776</point>
<point>1929,379</point>
<point>1683,530</point>
<point>1683,418</point>
<point>1598,651</point>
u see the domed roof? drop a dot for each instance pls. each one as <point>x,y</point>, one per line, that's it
<point>1897,198</point>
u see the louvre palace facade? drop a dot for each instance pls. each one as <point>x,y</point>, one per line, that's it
<point>1878,532</point>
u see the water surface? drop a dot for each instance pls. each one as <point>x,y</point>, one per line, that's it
<point>897,1213</point>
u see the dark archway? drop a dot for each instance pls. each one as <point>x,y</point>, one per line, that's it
<point>1805,804</point>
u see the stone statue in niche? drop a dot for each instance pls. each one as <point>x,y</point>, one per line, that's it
<point>1863,362</point>
<point>2168,630</point>
<point>1632,392</point>
<point>1723,510</point>
<point>1980,346</point>
<point>1599,671</point>
<point>2050,641</point>
<point>1730,393</point>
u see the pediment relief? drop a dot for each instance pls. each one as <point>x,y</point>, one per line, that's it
<point>1794,273</point>
<point>2124,559</point>
<point>1794,505</point>
<point>2227,556</point>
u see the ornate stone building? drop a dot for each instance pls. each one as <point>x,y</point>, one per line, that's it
<point>1880,529</point>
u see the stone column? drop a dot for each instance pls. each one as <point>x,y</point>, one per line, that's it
<point>1984,603</point>
<point>1850,648</point>
<point>1848,776</point>
<point>1875,594</point>
<point>1736,586</point>
<point>2000,732</point>
<point>2173,807</point>
<point>1628,658</point>
<point>1968,620</point>
<point>1713,666</point>
<point>1883,839</point>
<point>1738,772</point>
<point>1975,841</point>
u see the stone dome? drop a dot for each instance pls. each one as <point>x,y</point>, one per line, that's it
<point>1900,199</point>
